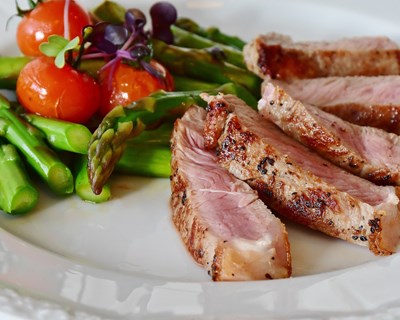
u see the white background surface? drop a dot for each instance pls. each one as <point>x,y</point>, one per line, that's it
<point>123,259</point>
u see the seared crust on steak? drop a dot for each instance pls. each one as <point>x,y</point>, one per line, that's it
<point>296,183</point>
<point>366,101</point>
<point>368,152</point>
<point>277,56</point>
<point>224,225</point>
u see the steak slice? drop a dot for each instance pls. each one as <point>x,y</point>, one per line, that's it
<point>221,220</point>
<point>368,152</point>
<point>366,101</point>
<point>277,56</point>
<point>298,184</point>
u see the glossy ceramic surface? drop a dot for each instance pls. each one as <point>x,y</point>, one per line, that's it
<point>123,259</point>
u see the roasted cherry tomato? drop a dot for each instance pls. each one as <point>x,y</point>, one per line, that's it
<point>45,19</point>
<point>65,93</point>
<point>126,84</point>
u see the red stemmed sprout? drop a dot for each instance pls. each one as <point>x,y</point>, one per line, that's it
<point>130,41</point>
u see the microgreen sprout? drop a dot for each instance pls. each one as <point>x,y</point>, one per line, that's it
<point>129,41</point>
<point>163,15</point>
<point>58,46</point>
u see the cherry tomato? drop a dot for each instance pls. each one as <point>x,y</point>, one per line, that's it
<point>127,84</point>
<point>45,19</point>
<point>65,93</point>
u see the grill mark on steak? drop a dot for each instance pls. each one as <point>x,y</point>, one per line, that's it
<point>224,225</point>
<point>302,186</point>
<point>277,56</point>
<point>369,152</point>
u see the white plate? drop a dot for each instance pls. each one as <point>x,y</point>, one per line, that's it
<point>123,259</point>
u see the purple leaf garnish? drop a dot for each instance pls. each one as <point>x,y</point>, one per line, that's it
<point>108,38</point>
<point>129,42</point>
<point>140,51</point>
<point>135,20</point>
<point>154,72</point>
<point>163,15</point>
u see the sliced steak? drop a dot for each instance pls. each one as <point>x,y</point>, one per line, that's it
<point>366,101</point>
<point>368,152</point>
<point>223,223</point>
<point>277,56</point>
<point>298,184</point>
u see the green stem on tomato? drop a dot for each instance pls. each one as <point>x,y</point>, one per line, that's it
<point>17,194</point>
<point>41,158</point>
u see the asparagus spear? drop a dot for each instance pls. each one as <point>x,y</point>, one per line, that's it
<point>151,160</point>
<point>108,141</point>
<point>183,38</point>
<point>42,159</point>
<point>110,11</point>
<point>211,33</point>
<point>148,154</point>
<point>10,68</point>
<point>200,64</point>
<point>62,135</point>
<point>82,184</point>
<point>159,136</point>
<point>17,194</point>
<point>190,84</point>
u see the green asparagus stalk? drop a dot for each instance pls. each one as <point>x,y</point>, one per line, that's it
<point>211,33</point>
<point>62,135</point>
<point>42,159</point>
<point>160,135</point>
<point>82,184</point>
<point>190,84</point>
<point>200,64</point>
<point>109,140</point>
<point>10,68</point>
<point>148,154</point>
<point>151,160</point>
<point>110,11</point>
<point>183,38</point>
<point>17,194</point>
